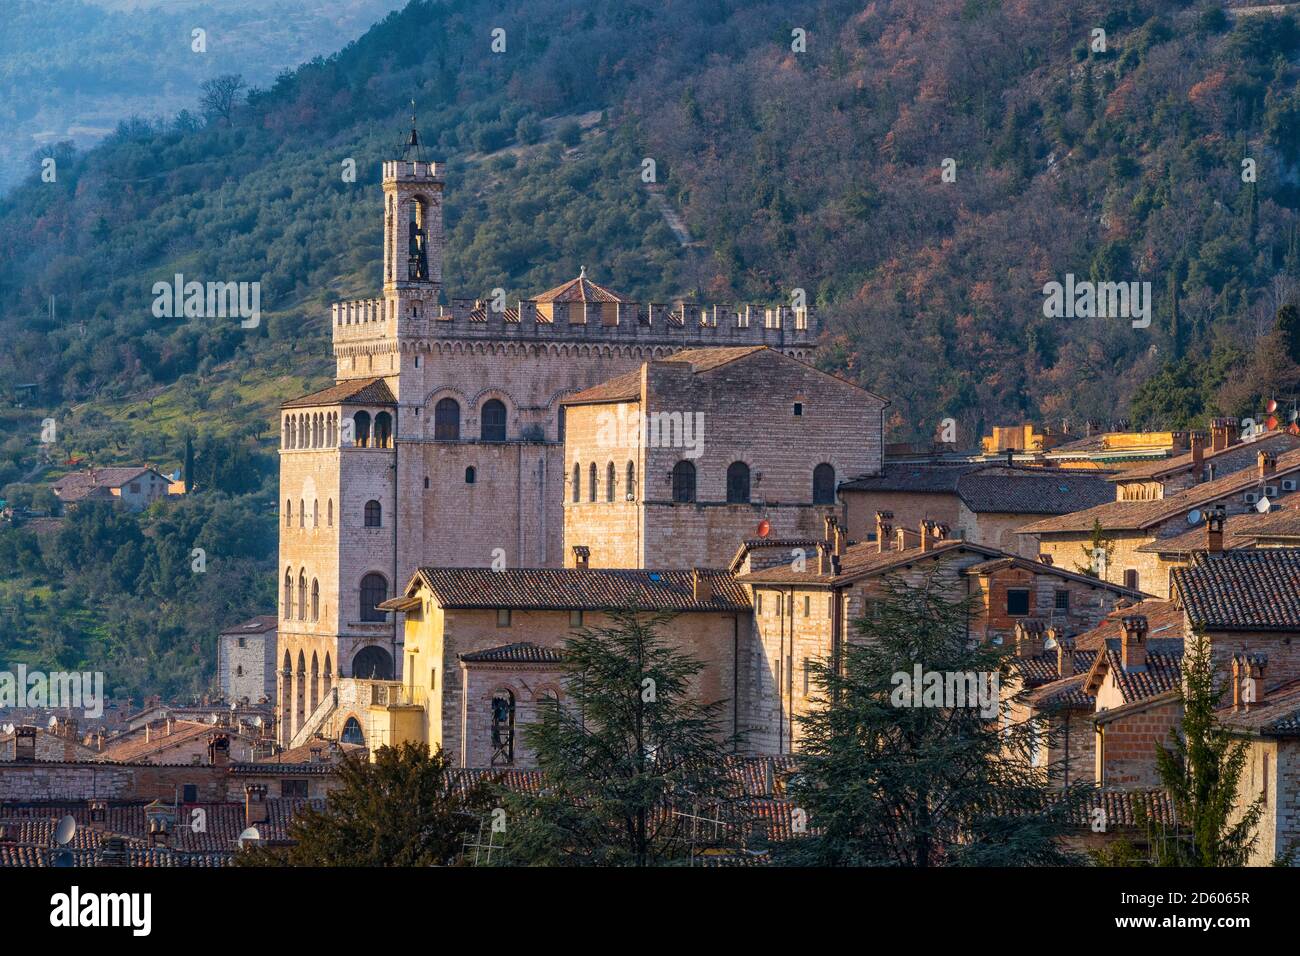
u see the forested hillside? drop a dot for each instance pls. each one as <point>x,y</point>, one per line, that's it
<point>819,169</point>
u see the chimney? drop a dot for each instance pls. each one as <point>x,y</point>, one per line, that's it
<point>581,556</point>
<point>171,725</point>
<point>1223,432</point>
<point>1064,653</point>
<point>1214,531</point>
<point>829,524</point>
<point>1198,452</point>
<point>1133,647</point>
<point>884,528</point>
<point>148,729</point>
<point>824,558</point>
<point>1267,463</point>
<point>1238,666</point>
<point>1029,638</point>
<point>701,586</point>
<point>900,539</point>
<point>925,535</point>
<point>219,750</point>
<point>255,809</point>
<point>98,811</point>
<point>25,745</point>
<point>1254,690</point>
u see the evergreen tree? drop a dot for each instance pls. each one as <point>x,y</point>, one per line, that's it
<point>1201,769</point>
<point>1288,323</point>
<point>401,810</point>
<point>886,782</point>
<point>630,750</point>
<point>1096,553</point>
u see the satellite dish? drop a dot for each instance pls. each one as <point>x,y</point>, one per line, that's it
<point>8,728</point>
<point>65,831</point>
<point>63,859</point>
<point>52,722</point>
<point>1263,506</point>
<point>1194,516</point>
<point>257,721</point>
<point>212,718</point>
<point>249,835</point>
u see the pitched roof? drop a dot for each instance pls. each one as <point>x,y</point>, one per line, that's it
<point>524,652</point>
<point>134,747</point>
<point>580,289</point>
<point>96,482</point>
<point>1070,693</point>
<point>1005,561</point>
<point>1255,589</point>
<point>361,391</point>
<point>627,387</point>
<point>1276,714</point>
<point>580,589</point>
<point>1138,515</point>
<point>1278,523</point>
<point>1271,441</point>
<point>1161,673</point>
<point>1164,620</point>
<point>1194,539</point>
<point>257,625</point>
<point>986,487</point>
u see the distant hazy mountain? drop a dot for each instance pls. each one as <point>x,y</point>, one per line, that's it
<point>72,69</point>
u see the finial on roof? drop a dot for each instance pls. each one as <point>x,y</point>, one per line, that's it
<point>413,144</point>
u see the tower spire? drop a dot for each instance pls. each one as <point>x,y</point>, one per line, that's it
<point>413,143</point>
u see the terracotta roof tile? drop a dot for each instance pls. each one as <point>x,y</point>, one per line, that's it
<point>581,588</point>
<point>362,391</point>
<point>1249,589</point>
<point>1276,442</point>
<point>524,652</point>
<point>580,289</point>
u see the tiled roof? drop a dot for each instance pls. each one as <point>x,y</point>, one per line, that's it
<point>1164,620</point>
<point>1250,589</point>
<point>1023,493</point>
<point>361,391</point>
<point>1136,515</point>
<point>524,652</point>
<point>96,482</point>
<point>756,544</point>
<point>627,387</point>
<point>134,747</point>
<point>898,476</point>
<point>1038,567</point>
<point>1276,442</point>
<point>581,589</point>
<point>1127,808</point>
<point>1278,523</point>
<point>1042,668</point>
<point>1070,693</point>
<point>864,560</point>
<point>1276,714</point>
<point>580,289</point>
<point>1194,539</point>
<point>257,625</point>
<point>1161,674</point>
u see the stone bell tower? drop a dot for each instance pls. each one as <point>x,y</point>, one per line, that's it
<point>412,231</point>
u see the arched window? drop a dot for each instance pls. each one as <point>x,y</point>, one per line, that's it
<point>302,595</point>
<point>372,663</point>
<point>446,420</point>
<point>683,482</point>
<point>503,728</point>
<point>288,595</point>
<point>329,513</point>
<point>374,514</point>
<point>284,434</point>
<point>383,430</point>
<point>352,733</point>
<point>374,590</point>
<point>302,512</point>
<point>288,512</point>
<point>591,482</point>
<point>631,481</point>
<point>609,482</point>
<point>417,260</point>
<point>559,432</point>
<point>823,485</point>
<point>577,483</point>
<point>494,420</point>
<point>315,599</point>
<point>315,513</point>
<point>471,475</point>
<point>361,429</point>
<point>737,483</point>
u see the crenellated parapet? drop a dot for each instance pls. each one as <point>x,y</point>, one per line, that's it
<point>366,320</point>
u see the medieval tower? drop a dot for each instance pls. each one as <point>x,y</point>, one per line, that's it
<point>442,442</point>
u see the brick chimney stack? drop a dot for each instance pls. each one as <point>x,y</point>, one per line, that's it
<point>1064,655</point>
<point>581,556</point>
<point>1029,638</point>
<point>884,528</point>
<point>1223,432</point>
<point>926,543</point>
<point>1198,453</point>
<point>1133,646</point>
<point>701,587</point>
<point>1254,690</point>
<point>25,745</point>
<point>255,809</point>
<point>900,539</point>
<point>1214,523</point>
<point>219,750</point>
<point>1267,463</point>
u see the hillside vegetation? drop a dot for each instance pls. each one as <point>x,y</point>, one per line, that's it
<point>817,170</point>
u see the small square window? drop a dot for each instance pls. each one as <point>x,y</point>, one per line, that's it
<point>798,409</point>
<point>575,619</point>
<point>1062,600</point>
<point>503,617</point>
<point>1017,602</point>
